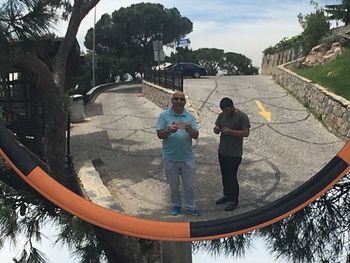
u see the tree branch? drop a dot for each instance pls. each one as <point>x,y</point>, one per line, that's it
<point>79,10</point>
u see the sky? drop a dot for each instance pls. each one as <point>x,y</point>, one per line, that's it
<point>241,26</point>
<point>59,253</point>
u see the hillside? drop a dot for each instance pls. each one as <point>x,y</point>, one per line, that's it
<point>335,75</point>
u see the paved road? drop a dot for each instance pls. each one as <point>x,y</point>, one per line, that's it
<point>119,137</point>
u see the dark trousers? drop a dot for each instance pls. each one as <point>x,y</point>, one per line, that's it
<point>229,166</point>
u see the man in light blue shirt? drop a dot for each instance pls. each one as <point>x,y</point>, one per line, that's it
<point>177,127</point>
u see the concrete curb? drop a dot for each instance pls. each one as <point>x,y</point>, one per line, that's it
<point>91,183</point>
<point>89,178</point>
<point>94,92</point>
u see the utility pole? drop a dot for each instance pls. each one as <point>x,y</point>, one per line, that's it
<point>93,51</point>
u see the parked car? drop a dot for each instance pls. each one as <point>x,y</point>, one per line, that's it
<point>189,69</point>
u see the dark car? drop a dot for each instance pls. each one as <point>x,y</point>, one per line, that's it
<point>189,69</point>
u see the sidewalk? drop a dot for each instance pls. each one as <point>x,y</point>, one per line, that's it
<point>117,157</point>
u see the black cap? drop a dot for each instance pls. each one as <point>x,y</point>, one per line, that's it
<point>225,103</point>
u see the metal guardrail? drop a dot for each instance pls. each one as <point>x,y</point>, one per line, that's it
<point>169,79</point>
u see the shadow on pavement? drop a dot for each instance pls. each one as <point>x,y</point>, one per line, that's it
<point>132,171</point>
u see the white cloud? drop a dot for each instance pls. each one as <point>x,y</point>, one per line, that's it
<point>249,39</point>
<point>246,27</point>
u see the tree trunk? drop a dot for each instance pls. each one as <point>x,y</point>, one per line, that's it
<point>55,115</point>
<point>120,249</point>
<point>55,137</point>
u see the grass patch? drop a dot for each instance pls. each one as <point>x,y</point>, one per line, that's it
<point>335,75</point>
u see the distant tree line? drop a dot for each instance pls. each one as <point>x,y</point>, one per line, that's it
<point>214,59</point>
<point>124,44</point>
<point>124,39</point>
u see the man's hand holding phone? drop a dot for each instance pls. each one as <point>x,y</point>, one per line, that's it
<point>171,128</point>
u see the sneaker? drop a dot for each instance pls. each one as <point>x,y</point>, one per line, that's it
<point>222,200</point>
<point>231,206</point>
<point>176,210</point>
<point>193,212</point>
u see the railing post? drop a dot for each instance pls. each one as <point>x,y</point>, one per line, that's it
<point>68,141</point>
<point>173,80</point>
<point>182,82</point>
<point>159,82</point>
<point>165,78</point>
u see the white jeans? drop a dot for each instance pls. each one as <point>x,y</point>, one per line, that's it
<point>186,170</point>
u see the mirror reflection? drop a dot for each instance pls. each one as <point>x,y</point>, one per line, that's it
<point>118,126</point>
<point>277,155</point>
<point>121,134</point>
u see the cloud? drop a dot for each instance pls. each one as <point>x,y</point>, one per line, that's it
<point>246,27</point>
<point>249,39</point>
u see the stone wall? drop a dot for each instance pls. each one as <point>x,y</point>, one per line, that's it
<point>342,30</point>
<point>332,110</point>
<point>162,97</point>
<point>271,61</point>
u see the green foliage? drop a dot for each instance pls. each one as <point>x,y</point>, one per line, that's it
<point>128,34</point>
<point>285,43</point>
<point>210,58</point>
<point>83,76</point>
<point>20,20</point>
<point>107,67</point>
<point>213,59</point>
<point>333,75</point>
<point>232,246</point>
<point>339,12</point>
<point>24,212</point>
<point>183,54</point>
<point>238,64</point>
<point>317,233</point>
<point>34,256</point>
<point>315,26</point>
<point>75,233</point>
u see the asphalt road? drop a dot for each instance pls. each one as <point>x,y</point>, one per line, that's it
<point>279,155</point>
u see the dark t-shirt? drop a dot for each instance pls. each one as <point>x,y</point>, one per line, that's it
<point>230,145</point>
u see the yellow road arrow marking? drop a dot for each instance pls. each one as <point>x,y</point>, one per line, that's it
<point>263,112</point>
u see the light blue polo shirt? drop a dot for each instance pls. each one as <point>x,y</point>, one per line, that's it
<point>178,145</point>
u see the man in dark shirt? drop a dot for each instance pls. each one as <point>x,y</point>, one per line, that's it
<point>233,125</point>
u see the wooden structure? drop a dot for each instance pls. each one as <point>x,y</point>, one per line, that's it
<point>21,99</point>
<point>22,110</point>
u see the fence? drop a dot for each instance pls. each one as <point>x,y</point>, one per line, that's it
<point>169,79</point>
<point>22,112</point>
